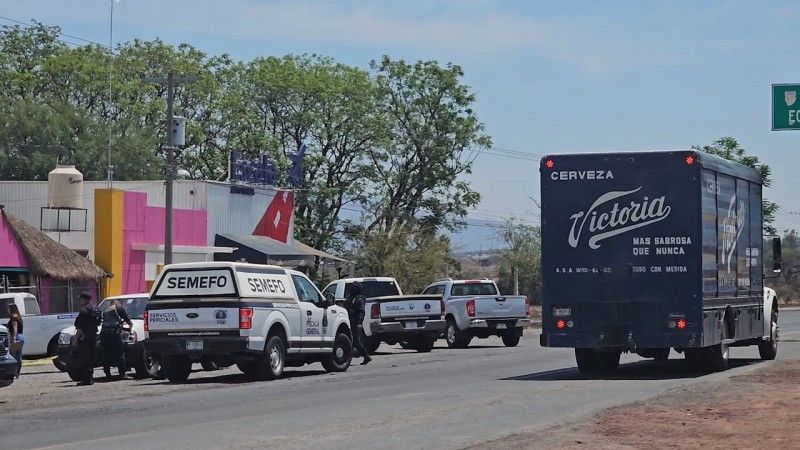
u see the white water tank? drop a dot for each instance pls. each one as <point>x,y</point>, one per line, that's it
<point>65,187</point>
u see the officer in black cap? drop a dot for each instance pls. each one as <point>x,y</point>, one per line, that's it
<point>86,338</point>
<point>354,303</point>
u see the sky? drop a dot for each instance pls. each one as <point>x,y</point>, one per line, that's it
<point>549,77</point>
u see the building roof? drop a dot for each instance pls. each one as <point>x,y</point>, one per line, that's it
<point>47,257</point>
<point>259,250</point>
<point>312,251</point>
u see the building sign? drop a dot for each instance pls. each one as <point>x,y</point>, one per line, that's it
<point>265,171</point>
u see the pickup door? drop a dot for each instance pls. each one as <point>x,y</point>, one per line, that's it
<point>407,306</point>
<point>499,307</point>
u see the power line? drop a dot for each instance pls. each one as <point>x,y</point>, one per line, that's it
<point>88,41</point>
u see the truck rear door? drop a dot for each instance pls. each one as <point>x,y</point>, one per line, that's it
<point>621,244</point>
<point>489,304</point>
<point>194,301</point>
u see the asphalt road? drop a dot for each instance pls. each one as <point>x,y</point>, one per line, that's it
<point>443,399</point>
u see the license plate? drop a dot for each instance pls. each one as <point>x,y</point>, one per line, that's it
<point>501,326</point>
<point>562,312</point>
<point>411,325</point>
<point>194,345</point>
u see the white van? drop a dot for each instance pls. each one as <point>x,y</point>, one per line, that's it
<point>261,318</point>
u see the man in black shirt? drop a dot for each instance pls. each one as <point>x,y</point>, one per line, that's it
<point>86,337</point>
<point>111,348</point>
<point>354,303</point>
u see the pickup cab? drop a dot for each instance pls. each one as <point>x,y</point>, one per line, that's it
<point>475,308</point>
<point>261,318</point>
<point>414,321</point>
<point>41,331</point>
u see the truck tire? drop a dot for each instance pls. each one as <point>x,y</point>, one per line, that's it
<point>59,364</point>
<point>148,367</point>
<point>717,356</point>
<point>422,344</point>
<point>660,354</point>
<point>176,368</point>
<point>342,354</point>
<point>768,350</point>
<point>585,358</point>
<point>607,362</point>
<point>511,338</point>
<point>455,338</point>
<point>249,368</point>
<point>209,366</point>
<point>273,361</point>
<point>75,374</point>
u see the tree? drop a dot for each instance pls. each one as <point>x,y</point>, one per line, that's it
<point>520,261</point>
<point>434,136</point>
<point>729,148</point>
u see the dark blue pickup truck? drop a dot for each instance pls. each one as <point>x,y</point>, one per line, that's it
<point>652,251</point>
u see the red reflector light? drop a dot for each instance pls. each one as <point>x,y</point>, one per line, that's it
<point>375,311</point>
<point>146,324</point>
<point>561,324</point>
<point>471,308</point>
<point>690,160</point>
<point>549,164</point>
<point>681,324</point>
<point>246,318</point>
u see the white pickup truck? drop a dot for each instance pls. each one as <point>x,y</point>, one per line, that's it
<point>41,331</point>
<point>475,308</point>
<point>261,318</point>
<point>415,321</point>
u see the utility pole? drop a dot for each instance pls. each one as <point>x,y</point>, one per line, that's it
<point>169,172</point>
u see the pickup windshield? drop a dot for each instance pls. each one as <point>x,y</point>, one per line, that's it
<point>134,306</point>
<point>473,289</point>
<point>377,288</point>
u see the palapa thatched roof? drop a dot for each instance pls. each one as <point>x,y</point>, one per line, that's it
<point>47,257</point>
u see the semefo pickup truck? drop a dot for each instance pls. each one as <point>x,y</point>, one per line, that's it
<point>475,308</point>
<point>415,321</point>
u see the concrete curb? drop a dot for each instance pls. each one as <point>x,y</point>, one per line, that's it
<point>37,362</point>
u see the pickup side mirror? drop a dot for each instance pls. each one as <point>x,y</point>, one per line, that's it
<point>330,300</point>
<point>776,254</point>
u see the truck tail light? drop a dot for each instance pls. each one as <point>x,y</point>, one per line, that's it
<point>246,318</point>
<point>527,307</point>
<point>561,324</point>
<point>441,306</point>
<point>146,322</point>
<point>375,311</point>
<point>471,308</point>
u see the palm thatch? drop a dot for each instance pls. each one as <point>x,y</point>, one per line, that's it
<point>47,257</point>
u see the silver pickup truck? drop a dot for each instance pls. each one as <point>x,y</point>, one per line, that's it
<point>475,308</point>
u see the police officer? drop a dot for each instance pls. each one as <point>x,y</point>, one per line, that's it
<point>111,348</point>
<point>86,338</point>
<point>354,303</point>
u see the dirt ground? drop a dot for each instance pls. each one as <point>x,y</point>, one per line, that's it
<point>755,411</point>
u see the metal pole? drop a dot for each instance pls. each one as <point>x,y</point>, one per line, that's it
<point>169,172</point>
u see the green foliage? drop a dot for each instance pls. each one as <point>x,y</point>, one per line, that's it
<point>729,148</point>
<point>520,260</point>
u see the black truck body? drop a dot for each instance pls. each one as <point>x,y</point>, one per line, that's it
<point>649,251</point>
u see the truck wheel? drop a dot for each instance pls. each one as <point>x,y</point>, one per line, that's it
<point>768,350</point>
<point>718,355</point>
<point>59,364</point>
<point>660,354</point>
<point>209,366</point>
<point>585,358</point>
<point>339,360</point>
<point>176,368</point>
<point>511,338</point>
<point>249,368</point>
<point>607,362</point>
<point>423,344</point>
<point>75,374</point>
<point>274,359</point>
<point>455,338</point>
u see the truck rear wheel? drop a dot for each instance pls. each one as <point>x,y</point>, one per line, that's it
<point>584,357</point>
<point>593,361</point>
<point>371,343</point>
<point>511,338</point>
<point>422,344</point>
<point>455,338</point>
<point>273,361</point>
<point>660,354</point>
<point>176,368</point>
<point>342,354</point>
<point>768,350</point>
<point>717,356</point>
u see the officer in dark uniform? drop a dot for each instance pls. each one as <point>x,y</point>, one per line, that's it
<point>112,349</point>
<point>86,338</point>
<point>354,303</point>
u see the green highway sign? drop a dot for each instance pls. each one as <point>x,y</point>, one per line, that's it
<point>785,107</point>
